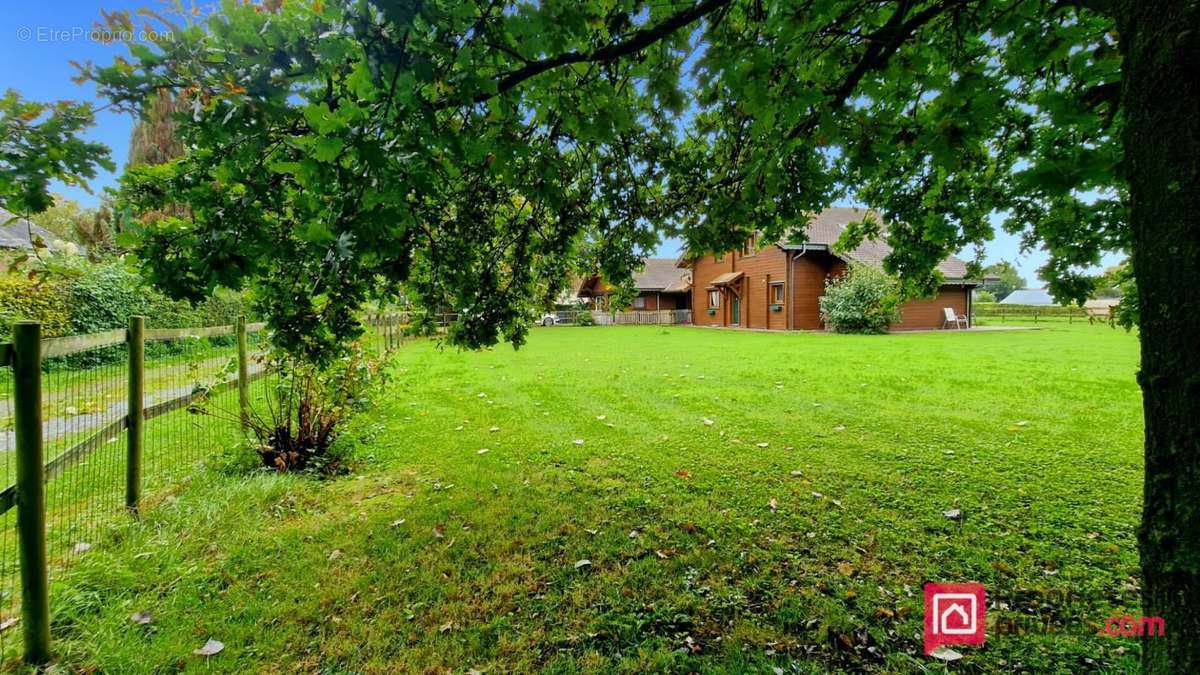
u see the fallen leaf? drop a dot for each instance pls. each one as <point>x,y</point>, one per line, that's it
<point>481,451</point>
<point>446,627</point>
<point>707,422</point>
<point>845,569</point>
<point>81,547</point>
<point>840,427</point>
<point>397,523</point>
<point>773,504</point>
<point>664,553</point>
<point>684,474</point>
<point>952,514</point>
<point>583,563</point>
<point>601,417</point>
<point>633,534</point>
<point>210,648</point>
<point>797,473</point>
<point>578,441</point>
<point>335,554</point>
<point>439,531</point>
<point>141,618</point>
<point>494,429</point>
<point>458,428</point>
<point>945,654</point>
<point>763,445</point>
<point>690,528</point>
<point>8,623</point>
<point>818,495</point>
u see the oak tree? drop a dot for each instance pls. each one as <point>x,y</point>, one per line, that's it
<point>474,149</point>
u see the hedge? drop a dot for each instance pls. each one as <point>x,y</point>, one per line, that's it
<point>96,297</point>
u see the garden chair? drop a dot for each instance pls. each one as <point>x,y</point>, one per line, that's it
<point>959,320</point>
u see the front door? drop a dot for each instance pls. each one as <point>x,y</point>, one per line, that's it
<point>735,311</point>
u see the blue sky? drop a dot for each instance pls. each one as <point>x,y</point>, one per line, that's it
<point>38,38</point>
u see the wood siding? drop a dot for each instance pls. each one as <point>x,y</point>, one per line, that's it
<point>810,272</point>
<point>929,313</point>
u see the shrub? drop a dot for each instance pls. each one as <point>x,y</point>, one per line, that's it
<point>37,300</point>
<point>864,300</point>
<point>297,427</point>
<point>585,318</point>
<point>982,295</point>
<point>78,296</point>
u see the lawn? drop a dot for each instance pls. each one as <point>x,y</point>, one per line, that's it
<point>743,502</point>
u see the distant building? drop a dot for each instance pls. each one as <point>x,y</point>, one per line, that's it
<point>778,285</point>
<point>660,285</point>
<point>1029,296</point>
<point>16,233</point>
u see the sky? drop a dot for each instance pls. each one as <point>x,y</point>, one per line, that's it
<point>39,38</point>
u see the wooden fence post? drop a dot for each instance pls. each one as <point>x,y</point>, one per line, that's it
<point>243,373</point>
<point>31,489</point>
<point>135,412</point>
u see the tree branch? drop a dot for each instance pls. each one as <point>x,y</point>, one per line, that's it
<point>636,42</point>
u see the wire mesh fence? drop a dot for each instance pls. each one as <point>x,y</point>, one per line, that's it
<point>193,382</point>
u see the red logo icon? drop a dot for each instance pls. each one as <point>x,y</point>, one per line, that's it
<point>954,615</point>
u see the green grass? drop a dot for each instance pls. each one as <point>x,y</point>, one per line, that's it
<point>708,551</point>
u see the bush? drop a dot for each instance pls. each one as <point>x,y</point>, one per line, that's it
<point>22,298</point>
<point>79,297</point>
<point>864,300</point>
<point>983,296</point>
<point>585,318</point>
<point>298,426</point>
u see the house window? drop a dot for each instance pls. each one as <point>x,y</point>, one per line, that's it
<point>749,248</point>
<point>714,298</point>
<point>777,294</point>
<point>639,302</point>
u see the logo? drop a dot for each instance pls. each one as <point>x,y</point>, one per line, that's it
<point>954,615</point>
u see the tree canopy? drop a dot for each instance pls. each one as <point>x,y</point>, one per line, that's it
<point>41,143</point>
<point>475,150</point>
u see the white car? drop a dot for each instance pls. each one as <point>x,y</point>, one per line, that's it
<point>549,319</point>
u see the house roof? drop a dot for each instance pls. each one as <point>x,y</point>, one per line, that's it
<point>15,235</point>
<point>1028,296</point>
<point>658,274</point>
<point>827,226</point>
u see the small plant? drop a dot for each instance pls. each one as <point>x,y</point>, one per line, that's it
<point>297,425</point>
<point>864,300</point>
<point>585,318</point>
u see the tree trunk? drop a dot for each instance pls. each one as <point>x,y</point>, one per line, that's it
<point>1161,101</point>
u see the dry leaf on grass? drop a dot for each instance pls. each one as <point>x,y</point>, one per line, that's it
<point>210,648</point>
<point>141,618</point>
<point>945,654</point>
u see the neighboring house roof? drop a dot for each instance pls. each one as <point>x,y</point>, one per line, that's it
<point>827,226</point>
<point>659,274</point>
<point>15,235</point>
<point>1028,296</point>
